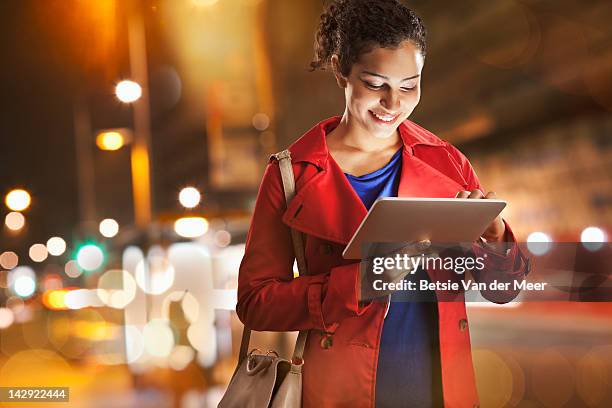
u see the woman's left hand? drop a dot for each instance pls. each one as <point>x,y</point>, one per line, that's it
<point>496,230</point>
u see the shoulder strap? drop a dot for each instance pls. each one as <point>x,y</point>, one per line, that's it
<point>284,162</point>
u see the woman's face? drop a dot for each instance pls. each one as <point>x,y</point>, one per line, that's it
<point>383,88</point>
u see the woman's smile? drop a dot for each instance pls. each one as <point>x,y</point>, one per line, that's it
<point>385,118</point>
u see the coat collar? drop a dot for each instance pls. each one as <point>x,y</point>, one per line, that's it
<point>312,146</point>
<point>326,206</point>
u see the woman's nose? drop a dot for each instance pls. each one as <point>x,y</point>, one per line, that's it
<point>391,100</point>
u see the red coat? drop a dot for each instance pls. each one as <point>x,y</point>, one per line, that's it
<point>328,211</point>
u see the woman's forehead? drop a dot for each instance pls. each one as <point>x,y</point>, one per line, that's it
<point>397,63</point>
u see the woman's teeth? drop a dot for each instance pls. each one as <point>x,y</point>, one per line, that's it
<point>384,118</point>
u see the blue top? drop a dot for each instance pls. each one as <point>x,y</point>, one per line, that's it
<point>408,373</point>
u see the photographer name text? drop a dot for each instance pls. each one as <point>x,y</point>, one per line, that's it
<point>455,286</point>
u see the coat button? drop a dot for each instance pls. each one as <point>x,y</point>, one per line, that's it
<point>327,341</point>
<point>463,324</point>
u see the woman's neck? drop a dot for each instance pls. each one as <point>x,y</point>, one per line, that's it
<point>349,135</point>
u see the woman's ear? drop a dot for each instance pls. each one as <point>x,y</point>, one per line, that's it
<point>340,79</point>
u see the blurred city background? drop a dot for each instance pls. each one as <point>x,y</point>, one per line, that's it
<point>133,136</point>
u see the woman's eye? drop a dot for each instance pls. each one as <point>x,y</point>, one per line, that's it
<point>373,86</point>
<point>407,89</point>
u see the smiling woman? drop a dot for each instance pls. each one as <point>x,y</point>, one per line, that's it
<point>387,353</point>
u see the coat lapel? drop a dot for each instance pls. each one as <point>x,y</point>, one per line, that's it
<point>419,179</point>
<point>326,206</point>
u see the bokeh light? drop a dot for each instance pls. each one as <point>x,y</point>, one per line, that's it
<point>552,378</point>
<point>158,338</point>
<point>23,312</point>
<point>134,343</point>
<point>261,121</point>
<point>116,288</point>
<point>493,377</point>
<point>16,304</point>
<point>180,357</point>
<point>90,257</point>
<point>38,252</point>
<point>593,238</point>
<point>189,197</point>
<point>155,275</point>
<point>223,238</point>
<point>22,281</point>
<point>25,366</point>
<point>82,298</point>
<point>167,80</point>
<point>55,299</point>
<point>9,260</point>
<point>72,269</point>
<point>111,140</point>
<point>14,221</point>
<point>191,227</point>
<point>24,286</point>
<point>56,246</point>
<point>109,227</point>
<point>128,91</point>
<point>539,243</point>
<point>202,336</point>
<point>592,377</point>
<point>6,317</point>
<point>52,281</point>
<point>191,307</point>
<point>18,200</point>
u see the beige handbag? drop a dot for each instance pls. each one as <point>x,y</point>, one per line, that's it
<point>264,380</point>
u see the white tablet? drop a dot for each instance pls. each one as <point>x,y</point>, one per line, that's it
<point>442,220</point>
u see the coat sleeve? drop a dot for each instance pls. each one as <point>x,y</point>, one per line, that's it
<point>269,297</point>
<point>504,267</point>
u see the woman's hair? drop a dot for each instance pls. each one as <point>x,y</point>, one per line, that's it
<point>349,28</point>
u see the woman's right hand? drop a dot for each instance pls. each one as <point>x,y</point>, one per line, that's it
<point>389,275</point>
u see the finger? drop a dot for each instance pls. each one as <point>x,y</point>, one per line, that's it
<point>476,194</point>
<point>491,194</point>
<point>416,247</point>
<point>422,245</point>
<point>462,194</point>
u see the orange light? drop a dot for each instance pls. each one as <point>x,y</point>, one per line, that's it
<point>110,140</point>
<point>55,299</point>
<point>128,91</point>
<point>94,330</point>
<point>18,200</point>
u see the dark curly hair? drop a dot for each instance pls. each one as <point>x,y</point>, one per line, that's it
<point>349,28</point>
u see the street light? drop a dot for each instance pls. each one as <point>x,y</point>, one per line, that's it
<point>189,197</point>
<point>56,246</point>
<point>38,252</point>
<point>14,221</point>
<point>191,227</point>
<point>113,139</point>
<point>128,91</point>
<point>90,257</point>
<point>109,227</point>
<point>18,199</point>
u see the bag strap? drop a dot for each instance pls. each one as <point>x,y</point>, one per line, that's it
<point>284,162</point>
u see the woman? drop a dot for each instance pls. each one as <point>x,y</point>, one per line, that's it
<point>383,354</point>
